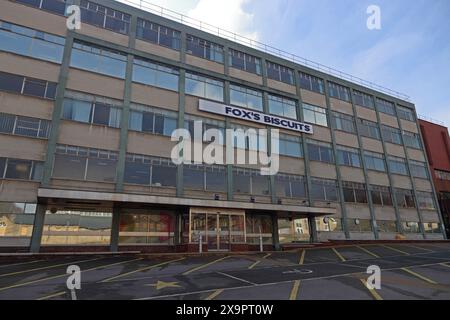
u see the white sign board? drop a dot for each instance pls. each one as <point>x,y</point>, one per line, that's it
<point>254,116</point>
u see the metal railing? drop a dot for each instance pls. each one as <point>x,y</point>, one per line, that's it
<point>181,18</point>
<point>429,119</point>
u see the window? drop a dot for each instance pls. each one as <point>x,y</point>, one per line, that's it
<point>363,99</point>
<point>246,98</point>
<point>154,227</point>
<point>340,121</point>
<point>145,170</point>
<point>328,224</point>
<point>258,225</point>
<point>157,34</point>
<point>387,226</point>
<point>385,106</point>
<point>156,75</point>
<point>244,61</point>
<point>24,126</point>
<point>354,192</point>
<point>397,165</point>
<point>324,189</point>
<point>426,200</point>
<point>31,43</point>
<point>412,140</point>
<point>419,169</point>
<point>374,161</point>
<point>359,225</point>
<point>152,120</point>
<point>54,6</point>
<point>77,227</point>
<point>381,195</point>
<point>283,107</point>
<point>392,135</point>
<point>432,227</point>
<point>315,115</point>
<point>205,178</point>
<point>339,92</point>
<point>204,49</point>
<point>320,151</point>
<point>406,114</point>
<point>290,146</point>
<point>247,138</point>
<point>27,86</point>
<point>85,164</point>
<point>411,227</point>
<point>405,198</point>
<point>250,182</point>
<point>17,169</point>
<point>99,60</point>
<point>368,129</point>
<point>290,186</point>
<point>16,223</point>
<point>92,112</point>
<point>348,157</point>
<point>189,124</point>
<point>104,17</point>
<point>442,175</point>
<point>280,73</point>
<point>204,87</point>
<point>311,83</point>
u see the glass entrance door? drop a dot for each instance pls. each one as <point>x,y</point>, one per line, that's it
<point>212,232</point>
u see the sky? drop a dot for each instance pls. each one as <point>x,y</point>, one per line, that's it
<point>409,54</point>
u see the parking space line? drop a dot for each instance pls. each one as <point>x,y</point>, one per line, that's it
<point>338,254</point>
<point>419,276</point>
<point>395,249</point>
<point>20,263</point>
<point>140,270</point>
<point>54,295</point>
<point>267,255</point>
<point>236,278</point>
<point>204,266</point>
<point>302,257</point>
<point>416,247</point>
<point>294,291</point>
<point>254,264</point>
<point>445,265</point>
<point>368,251</point>
<point>65,274</point>
<point>214,295</point>
<point>372,291</point>
<point>47,267</point>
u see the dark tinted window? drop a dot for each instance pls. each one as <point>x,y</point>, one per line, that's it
<point>34,87</point>
<point>164,176</point>
<point>2,167</point>
<point>101,114</point>
<point>7,123</point>
<point>51,90</point>
<point>11,82</point>
<point>137,173</point>
<point>18,169</point>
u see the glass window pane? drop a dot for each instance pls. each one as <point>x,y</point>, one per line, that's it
<point>137,173</point>
<point>18,169</point>
<point>163,176</point>
<point>69,167</point>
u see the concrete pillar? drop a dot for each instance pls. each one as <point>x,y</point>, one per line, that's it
<point>39,217</point>
<point>312,228</point>
<point>115,226</point>
<point>276,238</point>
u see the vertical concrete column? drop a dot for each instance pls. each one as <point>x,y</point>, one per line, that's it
<point>338,170</point>
<point>276,236</point>
<point>313,228</point>
<point>124,123</point>
<point>115,228</point>
<point>229,178</point>
<point>36,236</point>
<point>181,107</point>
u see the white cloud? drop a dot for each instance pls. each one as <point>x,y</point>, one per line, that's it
<point>229,15</point>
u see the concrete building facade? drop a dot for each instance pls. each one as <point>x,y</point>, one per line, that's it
<point>86,118</point>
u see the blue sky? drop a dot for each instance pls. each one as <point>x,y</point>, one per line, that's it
<point>410,54</point>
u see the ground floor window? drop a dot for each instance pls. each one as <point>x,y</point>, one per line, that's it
<point>259,225</point>
<point>388,226</point>
<point>155,227</point>
<point>16,223</point>
<point>359,225</point>
<point>328,224</point>
<point>77,227</point>
<point>410,227</point>
<point>432,227</point>
<point>293,230</point>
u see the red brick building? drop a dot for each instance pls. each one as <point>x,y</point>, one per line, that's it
<point>437,146</point>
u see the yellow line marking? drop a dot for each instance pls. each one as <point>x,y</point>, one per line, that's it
<point>21,263</point>
<point>254,264</point>
<point>64,275</point>
<point>372,291</point>
<point>419,276</point>
<point>369,252</point>
<point>47,267</point>
<point>214,295</point>
<point>141,269</point>
<point>338,254</point>
<point>204,266</point>
<point>54,295</point>
<point>267,255</point>
<point>294,291</point>
<point>445,265</point>
<point>302,257</point>
<point>395,249</point>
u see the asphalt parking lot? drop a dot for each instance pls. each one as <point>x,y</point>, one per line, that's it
<point>408,271</point>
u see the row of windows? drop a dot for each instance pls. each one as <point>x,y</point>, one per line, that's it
<point>92,112</point>
<point>244,61</point>
<point>54,6</point>
<point>105,17</point>
<point>18,169</point>
<point>27,86</point>
<point>204,49</point>
<point>152,120</point>
<point>31,43</point>
<point>24,126</point>
<point>157,34</point>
